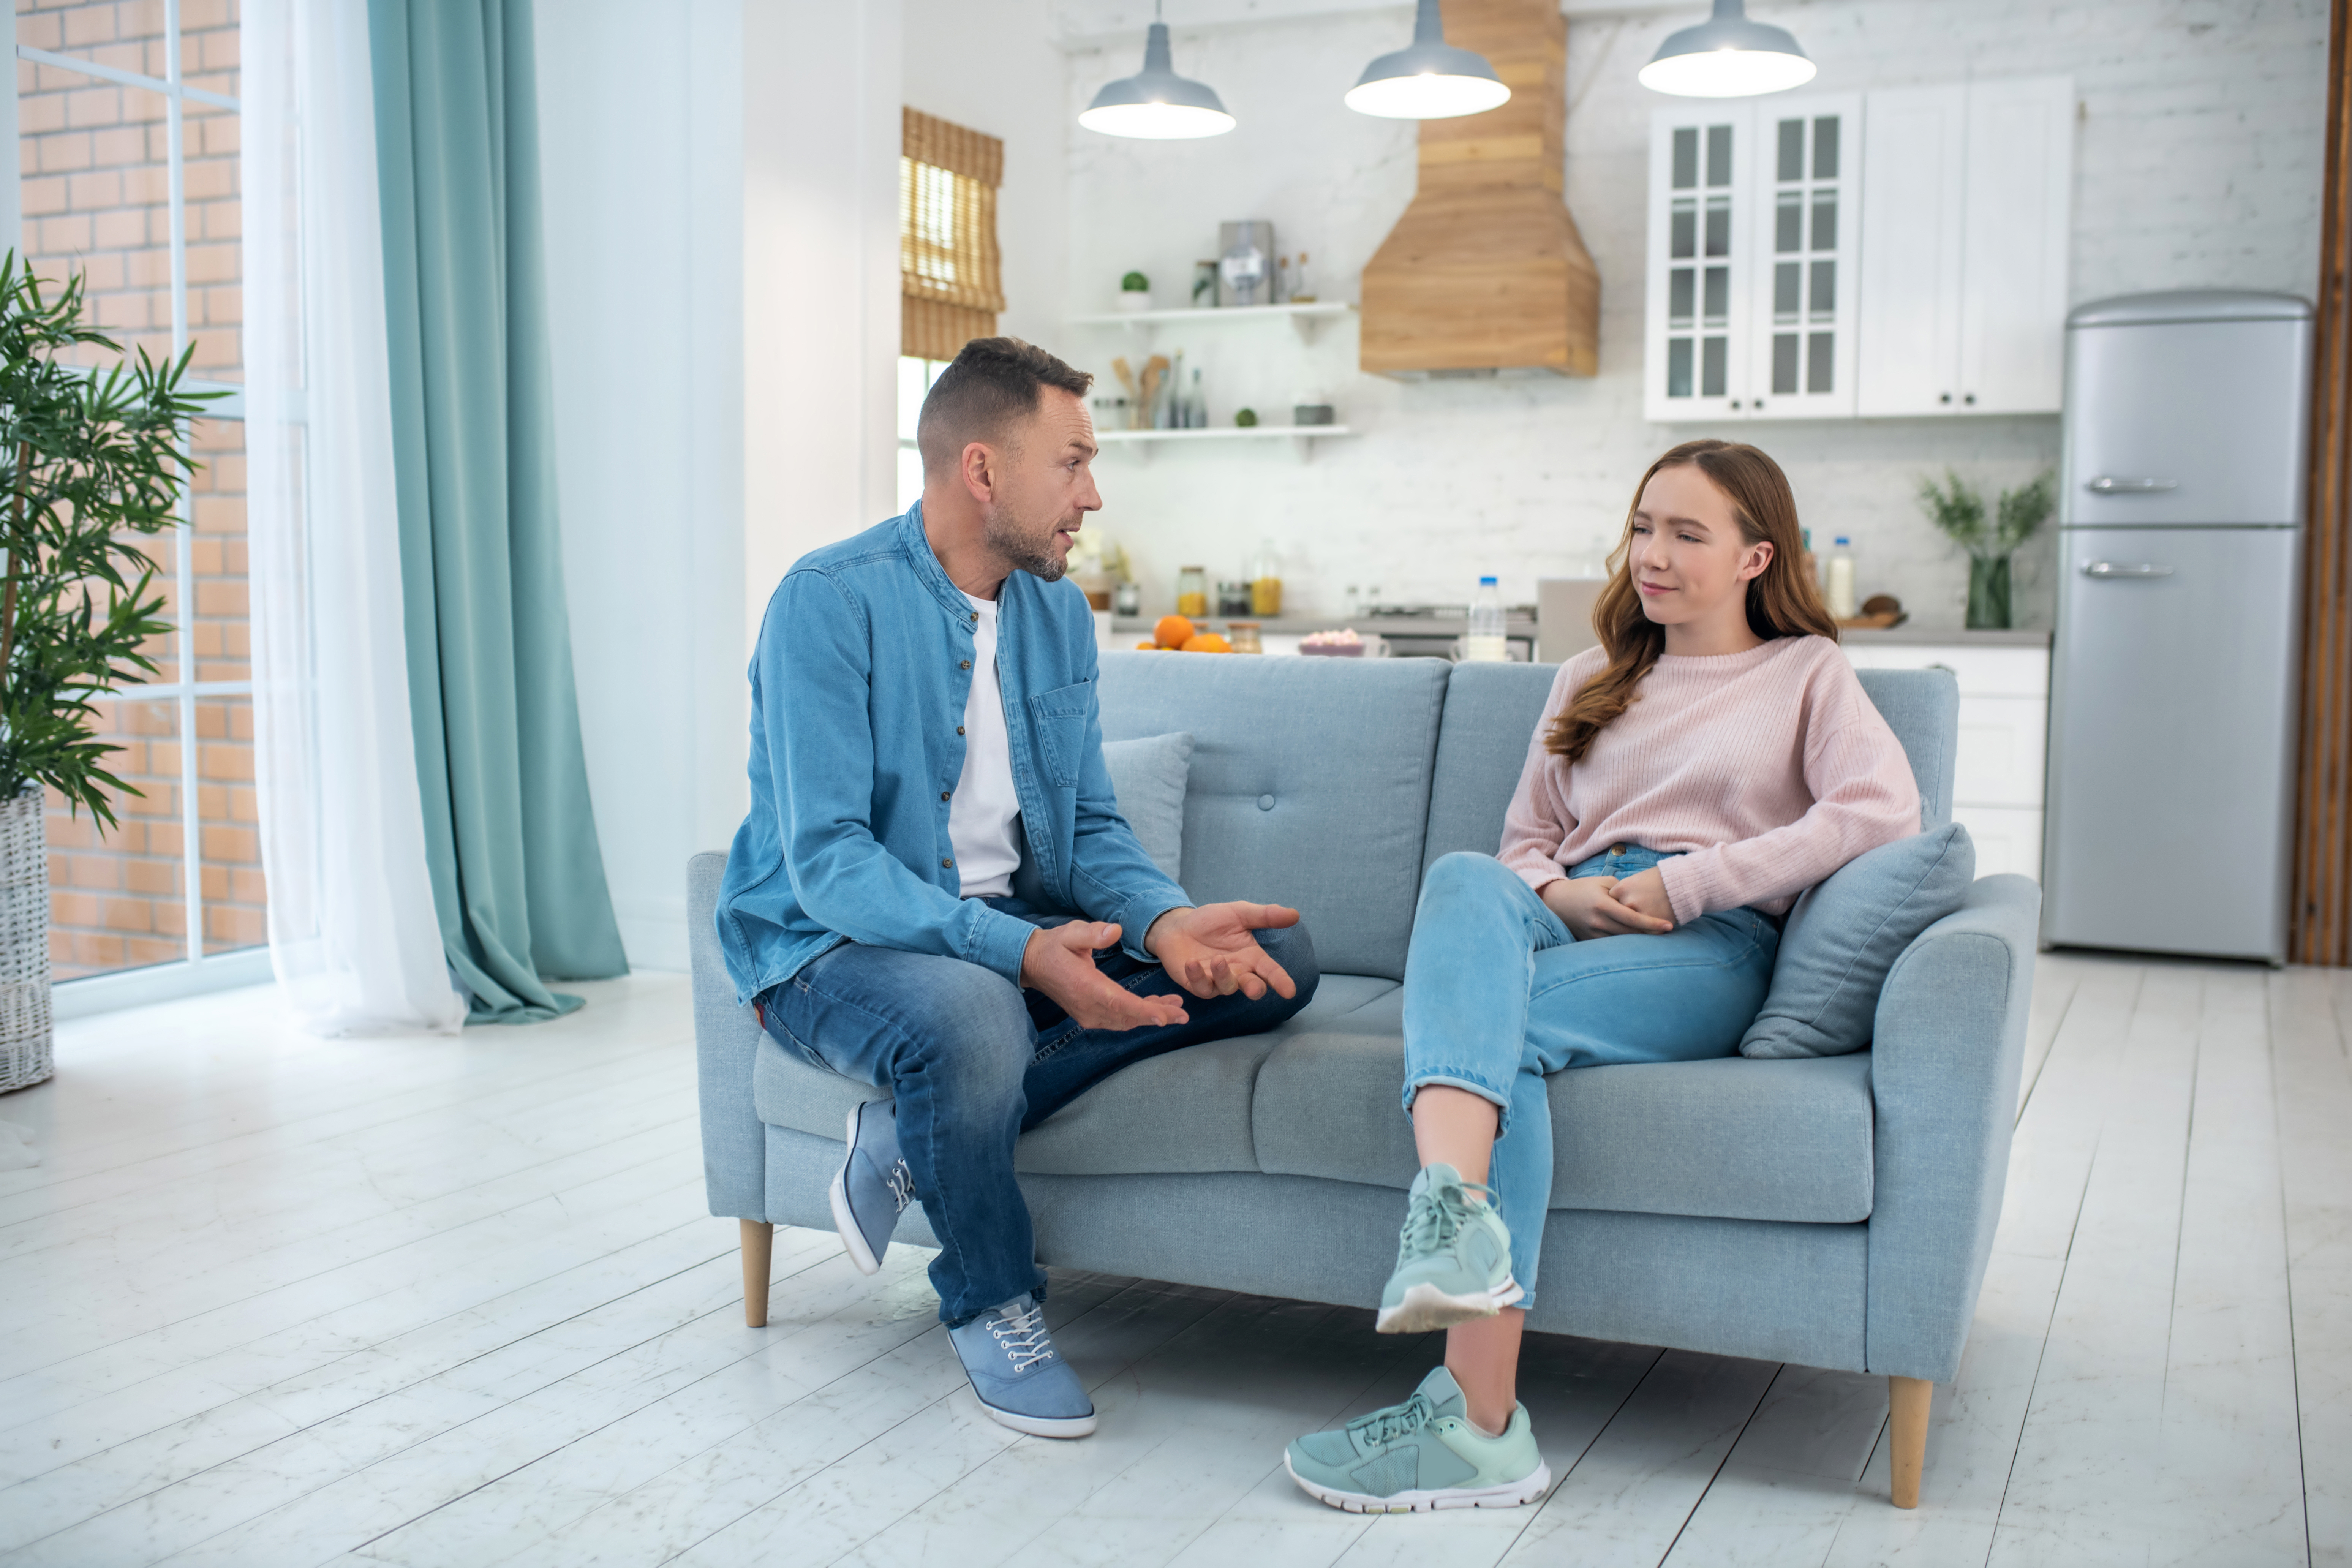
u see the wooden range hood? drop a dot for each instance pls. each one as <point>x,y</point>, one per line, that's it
<point>1486,272</point>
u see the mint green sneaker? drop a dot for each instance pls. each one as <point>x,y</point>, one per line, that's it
<point>1454,1260</point>
<point>1420,1455</point>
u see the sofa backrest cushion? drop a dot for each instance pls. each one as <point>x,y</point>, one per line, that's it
<point>1309,784</point>
<point>1492,708</point>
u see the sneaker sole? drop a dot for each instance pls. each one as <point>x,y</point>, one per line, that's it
<point>1039,1426</point>
<point>1425,1307</point>
<point>853,1240</point>
<point>1511,1494</point>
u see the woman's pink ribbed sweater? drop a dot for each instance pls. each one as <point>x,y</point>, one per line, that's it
<point>1768,769</point>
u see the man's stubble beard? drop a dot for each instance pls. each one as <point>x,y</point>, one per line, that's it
<point>1003,533</point>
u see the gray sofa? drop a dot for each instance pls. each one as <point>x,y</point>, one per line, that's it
<point>1836,1212</point>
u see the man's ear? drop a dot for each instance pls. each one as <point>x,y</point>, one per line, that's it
<point>978,469</point>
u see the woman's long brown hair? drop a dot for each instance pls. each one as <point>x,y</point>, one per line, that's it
<point>1782,602</point>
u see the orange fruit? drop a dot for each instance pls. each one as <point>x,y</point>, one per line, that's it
<point>1147,646</point>
<point>1174,631</point>
<point>1207,642</point>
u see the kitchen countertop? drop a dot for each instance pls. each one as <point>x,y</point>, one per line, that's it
<point>1520,626</point>
<point>1299,626</point>
<point>1947,637</point>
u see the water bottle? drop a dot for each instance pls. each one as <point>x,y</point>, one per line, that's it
<point>1486,642</point>
<point>1840,579</point>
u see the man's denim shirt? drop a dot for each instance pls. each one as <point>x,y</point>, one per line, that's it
<point>858,697</point>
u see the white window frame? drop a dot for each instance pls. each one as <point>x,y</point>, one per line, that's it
<point>198,971</point>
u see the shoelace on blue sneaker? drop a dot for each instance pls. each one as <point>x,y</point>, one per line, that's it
<point>1437,1215</point>
<point>1023,1338</point>
<point>902,1184</point>
<point>1387,1426</point>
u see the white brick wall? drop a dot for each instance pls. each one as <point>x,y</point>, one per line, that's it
<point>2200,165</point>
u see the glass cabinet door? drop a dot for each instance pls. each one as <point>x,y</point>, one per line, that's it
<point>1696,341</point>
<point>1806,174</point>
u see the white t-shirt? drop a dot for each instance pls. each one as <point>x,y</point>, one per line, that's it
<point>980,816</point>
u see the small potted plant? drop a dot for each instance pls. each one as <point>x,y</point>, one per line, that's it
<point>1135,292</point>
<point>1959,511</point>
<point>91,464</point>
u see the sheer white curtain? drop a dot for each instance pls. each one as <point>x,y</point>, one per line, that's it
<point>352,933</point>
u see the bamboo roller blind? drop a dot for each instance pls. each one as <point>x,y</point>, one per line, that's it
<point>2320,923</point>
<point>951,281</point>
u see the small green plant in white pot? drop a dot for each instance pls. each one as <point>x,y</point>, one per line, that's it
<point>1135,292</point>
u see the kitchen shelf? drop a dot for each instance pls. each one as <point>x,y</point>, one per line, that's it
<point>1303,437</point>
<point>1306,320</point>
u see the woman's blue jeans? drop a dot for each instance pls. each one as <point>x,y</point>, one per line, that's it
<point>1498,994</point>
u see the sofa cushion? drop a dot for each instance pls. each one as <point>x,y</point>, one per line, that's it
<point>1728,1138</point>
<point>1846,932</point>
<point>1309,784</point>
<point>1148,776</point>
<point>1491,711</point>
<point>1121,1127</point>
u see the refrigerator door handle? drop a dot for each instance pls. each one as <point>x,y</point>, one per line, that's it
<point>2109,485</point>
<point>2116,569</point>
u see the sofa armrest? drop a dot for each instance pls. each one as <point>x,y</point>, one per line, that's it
<point>1949,1044</point>
<point>726,1040</point>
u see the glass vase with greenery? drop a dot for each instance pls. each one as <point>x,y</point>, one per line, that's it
<point>92,464</point>
<point>1958,510</point>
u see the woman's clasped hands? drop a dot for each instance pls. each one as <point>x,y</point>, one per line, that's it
<point>1593,906</point>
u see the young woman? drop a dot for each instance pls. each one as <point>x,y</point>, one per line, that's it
<point>1710,761</point>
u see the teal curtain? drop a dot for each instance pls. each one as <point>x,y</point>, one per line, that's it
<point>517,876</point>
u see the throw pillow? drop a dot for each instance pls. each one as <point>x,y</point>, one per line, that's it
<point>1148,777</point>
<point>1846,932</point>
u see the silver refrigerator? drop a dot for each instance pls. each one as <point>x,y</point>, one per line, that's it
<point>2172,719</point>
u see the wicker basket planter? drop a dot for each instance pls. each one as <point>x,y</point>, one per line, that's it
<point>24,943</point>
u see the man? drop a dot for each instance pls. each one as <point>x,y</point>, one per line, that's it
<point>924,726</point>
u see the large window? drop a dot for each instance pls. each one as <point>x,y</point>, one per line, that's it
<point>127,168</point>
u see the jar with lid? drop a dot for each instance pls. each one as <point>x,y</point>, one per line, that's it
<point>1266,582</point>
<point>1192,591</point>
<point>1243,635</point>
<point>1233,599</point>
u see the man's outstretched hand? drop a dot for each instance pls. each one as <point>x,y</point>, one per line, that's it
<point>1061,964</point>
<point>1210,951</point>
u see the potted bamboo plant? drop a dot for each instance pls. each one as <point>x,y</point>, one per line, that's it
<point>92,463</point>
<point>1958,510</point>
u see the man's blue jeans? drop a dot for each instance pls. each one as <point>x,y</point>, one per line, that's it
<point>974,1061</point>
<point>1498,992</point>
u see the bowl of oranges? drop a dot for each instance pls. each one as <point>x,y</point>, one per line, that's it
<point>1177,634</point>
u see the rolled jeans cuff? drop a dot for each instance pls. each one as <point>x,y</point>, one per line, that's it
<point>1461,1079</point>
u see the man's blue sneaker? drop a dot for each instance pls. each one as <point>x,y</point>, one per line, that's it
<point>1454,1258</point>
<point>1022,1380</point>
<point>1420,1455</point>
<point>873,1187</point>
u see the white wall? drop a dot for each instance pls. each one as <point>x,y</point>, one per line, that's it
<point>996,69</point>
<point>821,136</point>
<point>641,152</point>
<point>2199,163</point>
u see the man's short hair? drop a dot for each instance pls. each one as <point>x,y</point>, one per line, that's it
<point>992,385</point>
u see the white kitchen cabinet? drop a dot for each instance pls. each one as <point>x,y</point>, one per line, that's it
<point>2004,724</point>
<point>1897,253</point>
<point>1964,247</point>
<point>1753,237</point>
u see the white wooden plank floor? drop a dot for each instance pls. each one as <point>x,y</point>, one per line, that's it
<point>271,1300</point>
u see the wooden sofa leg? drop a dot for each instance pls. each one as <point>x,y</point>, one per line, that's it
<point>759,1248</point>
<point>1907,1399</point>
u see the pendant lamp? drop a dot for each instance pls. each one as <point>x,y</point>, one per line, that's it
<point>1430,81</point>
<point>1156,103</point>
<point>1728,56</point>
